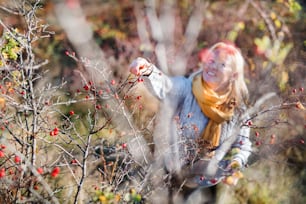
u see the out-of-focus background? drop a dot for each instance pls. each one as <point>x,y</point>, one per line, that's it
<point>173,35</point>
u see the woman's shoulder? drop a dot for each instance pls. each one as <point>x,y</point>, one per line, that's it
<point>186,79</point>
<point>181,87</point>
<point>191,76</point>
<point>181,80</point>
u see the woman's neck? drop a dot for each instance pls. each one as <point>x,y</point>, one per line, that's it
<point>223,89</point>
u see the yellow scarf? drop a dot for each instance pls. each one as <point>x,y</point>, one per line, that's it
<point>218,108</point>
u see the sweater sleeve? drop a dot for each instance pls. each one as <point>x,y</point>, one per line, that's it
<point>244,144</point>
<point>163,86</point>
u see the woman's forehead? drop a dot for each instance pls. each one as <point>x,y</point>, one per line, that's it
<point>217,54</point>
<point>220,52</point>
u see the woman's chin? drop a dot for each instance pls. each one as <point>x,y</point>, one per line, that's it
<point>210,80</point>
<point>212,85</point>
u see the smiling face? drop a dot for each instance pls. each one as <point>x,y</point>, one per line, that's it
<point>217,69</point>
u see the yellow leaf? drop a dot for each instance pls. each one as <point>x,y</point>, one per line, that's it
<point>2,103</point>
<point>102,198</point>
<point>285,77</point>
<point>299,105</point>
<point>16,74</point>
<point>5,55</point>
<point>229,180</point>
<point>117,198</point>
<point>283,80</point>
<point>241,25</point>
<point>238,174</point>
<point>277,23</point>
<point>273,15</point>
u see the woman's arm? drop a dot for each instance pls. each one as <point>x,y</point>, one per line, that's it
<point>244,145</point>
<point>158,83</point>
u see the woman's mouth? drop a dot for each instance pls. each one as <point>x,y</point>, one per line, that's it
<point>211,73</point>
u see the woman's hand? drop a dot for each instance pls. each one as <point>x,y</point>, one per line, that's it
<point>233,179</point>
<point>234,167</point>
<point>140,66</point>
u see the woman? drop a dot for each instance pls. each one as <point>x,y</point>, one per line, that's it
<point>204,145</point>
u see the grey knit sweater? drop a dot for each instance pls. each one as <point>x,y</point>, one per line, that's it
<point>181,123</point>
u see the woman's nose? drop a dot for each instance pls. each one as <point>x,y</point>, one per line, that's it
<point>214,66</point>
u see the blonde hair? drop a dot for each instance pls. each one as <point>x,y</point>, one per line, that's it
<point>239,89</point>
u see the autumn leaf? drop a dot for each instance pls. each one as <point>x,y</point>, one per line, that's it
<point>299,105</point>
<point>2,103</point>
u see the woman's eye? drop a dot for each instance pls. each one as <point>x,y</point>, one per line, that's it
<point>223,65</point>
<point>211,61</point>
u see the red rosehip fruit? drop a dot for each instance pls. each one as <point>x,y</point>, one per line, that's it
<point>249,123</point>
<point>124,145</point>
<point>17,159</point>
<point>86,87</point>
<point>2,154</point>
<point>40,170</point>
<point>55,172</point>
<point>2,173</point>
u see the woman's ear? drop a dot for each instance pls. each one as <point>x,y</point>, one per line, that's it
<point>235,76</point>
